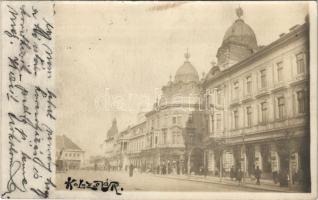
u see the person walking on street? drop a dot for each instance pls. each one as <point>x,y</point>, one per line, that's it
<point>258,173</point>
<point>131,170</point>
<point>239,176</point>
<point>232,173</point>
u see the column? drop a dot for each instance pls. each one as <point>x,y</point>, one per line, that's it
<point>243,160</point>
<point>205,160</point>
<point>258,157</point>
<point>189,162</point>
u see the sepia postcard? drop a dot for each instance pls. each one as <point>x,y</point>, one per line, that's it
<point>158,100</point>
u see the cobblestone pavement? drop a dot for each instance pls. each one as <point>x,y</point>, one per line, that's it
<point>150,182</point>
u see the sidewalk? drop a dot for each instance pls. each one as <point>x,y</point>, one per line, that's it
<point>266,185</point>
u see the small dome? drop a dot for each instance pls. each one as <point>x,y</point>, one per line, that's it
<point>240,33</point>
<point>187,73</point>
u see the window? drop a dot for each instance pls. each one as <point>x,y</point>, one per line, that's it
<point>218,121</point>
<point>219,96</point>
<point>174,120</point>
<point>212,123</point>
<point>190,118</point>
<point>236,118</point>
<point>301,102</point>
<point>280,71</point>
<point>248,85</point>
<point>164,136</point>
<point>209,97</point>
<point>179,120</point>
<point>157,122</point>
<point>249,116</point>
<point>300,63</point>
<point>152,123</point>
<point>191,138</point>
<point>174,137</point>
<point>281,107</point>
<point>263,112</point>
<point>165,120</point>
<point>156,140</point>
<point>263,78</point>
<point>236,90</point>
<point>150,140</point>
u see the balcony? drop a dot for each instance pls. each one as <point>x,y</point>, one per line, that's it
<point>247,98</point>
<point>262,92</point>
<point>299,79</point>
<point>279,87</point>
<point>235,102</point>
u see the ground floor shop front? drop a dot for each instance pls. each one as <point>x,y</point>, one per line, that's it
<point>276,158</point>
<point>169,160</point>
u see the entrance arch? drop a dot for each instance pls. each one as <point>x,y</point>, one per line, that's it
<point>196,160</point>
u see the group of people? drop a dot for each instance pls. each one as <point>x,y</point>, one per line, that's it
<point>159,169</point>
<point>237,174</point>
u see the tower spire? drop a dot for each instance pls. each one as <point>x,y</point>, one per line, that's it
<point>187,55</point>
<point>239,12</point>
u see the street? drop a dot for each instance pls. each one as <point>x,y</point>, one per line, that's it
<point>148,182</point>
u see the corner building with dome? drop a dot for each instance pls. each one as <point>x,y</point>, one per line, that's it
<point>250,110</point>
<point>258,105</point>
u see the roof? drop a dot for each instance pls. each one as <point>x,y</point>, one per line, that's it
<point>240,33</point>
<point>65,143</point>
<point>295,32</point>
<point>186,72</point>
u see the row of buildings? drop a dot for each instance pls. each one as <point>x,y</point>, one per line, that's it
<point>251,109</point>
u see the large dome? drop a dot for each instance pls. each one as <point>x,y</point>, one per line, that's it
<point>240,33</point>
<point>187,73</point>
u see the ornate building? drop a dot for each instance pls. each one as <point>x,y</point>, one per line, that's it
<point>175,125</point>
<point>259,103</point>
<point>250,110</point>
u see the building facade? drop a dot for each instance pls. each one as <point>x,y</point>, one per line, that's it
<point>250,110</point>
<point>69,156</point>
<point>259,103</point>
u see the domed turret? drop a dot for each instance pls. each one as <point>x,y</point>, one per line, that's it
<point>238,43</point>
<point>187,73</point>
<point>241,34</point>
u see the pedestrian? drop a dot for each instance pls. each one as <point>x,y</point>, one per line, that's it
<point>275,176</point>
<point>258,173</point>
<point>232,173</point>
<point>239,176</point>
<point>131,170</point>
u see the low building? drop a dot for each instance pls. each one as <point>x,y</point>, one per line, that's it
<point>69,156</point>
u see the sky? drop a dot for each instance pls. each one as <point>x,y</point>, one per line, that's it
<point>112,58</point>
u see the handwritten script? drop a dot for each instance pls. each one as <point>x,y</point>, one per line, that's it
<point>103,186</point>
<point>28,99</point>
